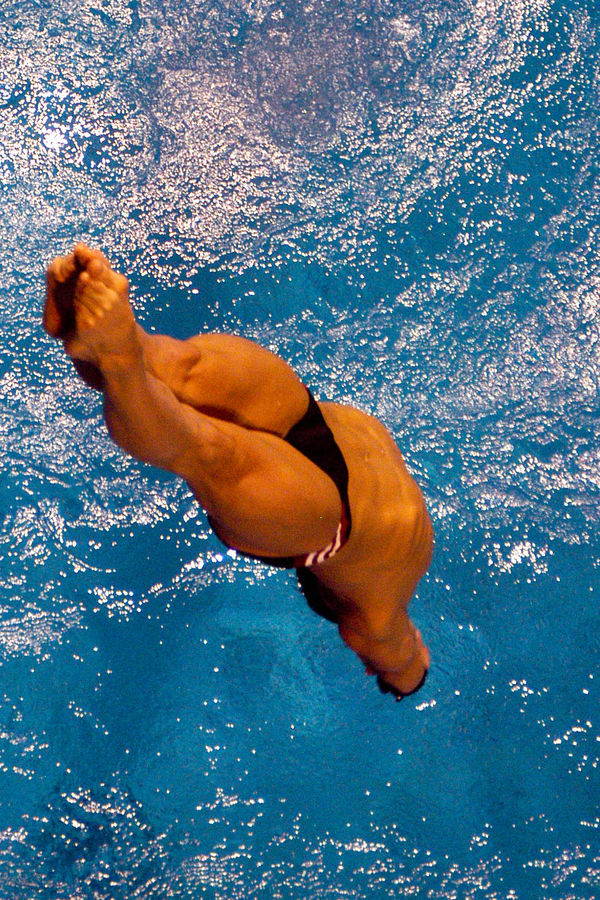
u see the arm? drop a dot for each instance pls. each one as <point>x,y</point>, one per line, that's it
<point>142,414</point>
<point>391,648</point>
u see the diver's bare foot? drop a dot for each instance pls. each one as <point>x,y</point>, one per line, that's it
<point>84,255</point>
<point>59,312</point>
<point>61,281</point>
<point>105,328</point>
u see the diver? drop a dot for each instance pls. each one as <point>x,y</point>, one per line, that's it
<point>319,487</point>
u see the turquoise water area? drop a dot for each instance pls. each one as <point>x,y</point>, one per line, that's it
<point>402,199</point>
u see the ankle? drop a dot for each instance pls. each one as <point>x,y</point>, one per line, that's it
<point>121,362</point>
<point>145,342</point>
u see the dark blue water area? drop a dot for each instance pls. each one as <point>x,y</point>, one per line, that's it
<point>402,201</point>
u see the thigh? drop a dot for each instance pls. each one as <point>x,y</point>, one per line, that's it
<point>263,496</point>
<point>230,378</point>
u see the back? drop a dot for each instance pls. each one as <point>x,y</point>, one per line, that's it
<point>391,543</point>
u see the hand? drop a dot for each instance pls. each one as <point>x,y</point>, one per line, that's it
<point>411,679</point>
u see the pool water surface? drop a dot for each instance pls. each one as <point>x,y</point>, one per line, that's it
<point>402,200</point>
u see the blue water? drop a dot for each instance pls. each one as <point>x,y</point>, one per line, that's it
<point>402,199</point>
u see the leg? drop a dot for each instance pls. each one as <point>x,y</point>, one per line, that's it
<point>266,496</point>
<point>227,377</point>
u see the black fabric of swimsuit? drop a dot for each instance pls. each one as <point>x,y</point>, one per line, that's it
<point>313,437</point>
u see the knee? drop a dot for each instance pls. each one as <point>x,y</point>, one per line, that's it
<point>191,375</point>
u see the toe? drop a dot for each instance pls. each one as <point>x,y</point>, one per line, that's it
<point>67,267</point>
<point>117,282</point>
<point>96,267</point>
<point>85,255</point>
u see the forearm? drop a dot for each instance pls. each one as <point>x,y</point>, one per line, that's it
<point>389,655</point>
<point>394,652</point>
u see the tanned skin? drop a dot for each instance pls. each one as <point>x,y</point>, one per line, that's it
<point>213,410</point>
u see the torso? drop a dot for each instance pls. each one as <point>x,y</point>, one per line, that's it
<point>391,540</point>
<point>391,543</point>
